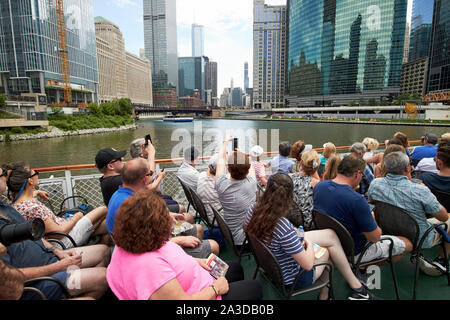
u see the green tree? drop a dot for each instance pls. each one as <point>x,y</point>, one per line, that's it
<point>94,109</point>
<point>2,101</point>
<point>372,102</point>
<point>125,106</point>
<point>108,108</point>
<point>362,102</point>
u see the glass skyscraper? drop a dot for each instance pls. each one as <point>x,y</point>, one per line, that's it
<point>421,20</point>
<point>344,47</point>
<point>191,76</point>
<point>439,68</point>
<point>160,40</point>
<point>198,42</point>
<point>29,48</point>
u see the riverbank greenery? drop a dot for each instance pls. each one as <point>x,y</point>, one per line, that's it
<point>107,115</point>
<point>5,115</point>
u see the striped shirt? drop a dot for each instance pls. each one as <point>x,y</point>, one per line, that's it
<point>285,243</point>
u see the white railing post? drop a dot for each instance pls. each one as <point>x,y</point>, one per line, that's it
<point>69,189</point>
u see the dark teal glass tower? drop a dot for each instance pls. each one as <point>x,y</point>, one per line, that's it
<point>340,48</point>
<point>421,20</point>
<point>439,68</point>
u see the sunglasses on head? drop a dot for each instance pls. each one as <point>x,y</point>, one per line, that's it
<point>4,173</point>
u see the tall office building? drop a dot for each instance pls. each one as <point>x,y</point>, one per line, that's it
<point>198,41</point>
<point>160,41</point>
<point>191,76</point>
<point>344,50</point>
<point>109,32</point>
<point>211,78</point>
<point>121,74</point>
<point>439,67</point>
<point>420,37</point>
<point>269,52</point>
<point>246,81</point>
<point>30,53</point>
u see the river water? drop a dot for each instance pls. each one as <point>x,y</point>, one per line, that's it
<point>168,137</point>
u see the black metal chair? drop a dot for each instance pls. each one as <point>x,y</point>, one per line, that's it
<point>443,198</point>
<point>324,221</point>
<point>295,216</point>
<point>269,267</point>
<point>396,221</point>
<point>201,210</point>
<point>239,251</point>
<point>29,288</point>
<point>187,193</point>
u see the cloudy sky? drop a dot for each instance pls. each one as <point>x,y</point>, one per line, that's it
<point>228,31</point>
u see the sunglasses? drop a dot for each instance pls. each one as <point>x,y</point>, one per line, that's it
<point>115,160</point>
<point>149,174</point>
<point>36,173</point>
<point>4,173</point>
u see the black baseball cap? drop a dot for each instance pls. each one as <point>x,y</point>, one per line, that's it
<point>105,156</point>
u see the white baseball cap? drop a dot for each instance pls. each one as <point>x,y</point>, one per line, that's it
<point>256,151</point>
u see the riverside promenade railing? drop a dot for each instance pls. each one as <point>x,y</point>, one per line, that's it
<point>88,186</point>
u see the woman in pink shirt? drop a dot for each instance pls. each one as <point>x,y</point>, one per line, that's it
<point>146,265</point>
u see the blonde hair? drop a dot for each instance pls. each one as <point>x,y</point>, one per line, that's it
<point>371,144</point>
<point>328,149</point>
<point>310,162</point>
<point>331,167</point>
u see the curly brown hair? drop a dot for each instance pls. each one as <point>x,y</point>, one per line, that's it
<point>142,223</point>
<point>274,204</point>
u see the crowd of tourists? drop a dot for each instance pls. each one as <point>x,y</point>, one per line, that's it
<point>129,248</point>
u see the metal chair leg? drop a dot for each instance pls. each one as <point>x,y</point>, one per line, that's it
<point>394,278</point>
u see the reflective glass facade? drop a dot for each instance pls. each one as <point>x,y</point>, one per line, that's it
<point>344,46</point>
<point>29,55</point>
<point>191,75</point>
<point>421,20</point>
<point>439,69</point>
<point>160,40</point>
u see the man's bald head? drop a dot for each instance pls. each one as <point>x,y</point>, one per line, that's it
<point>134,170</point>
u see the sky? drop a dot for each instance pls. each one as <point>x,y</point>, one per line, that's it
<point>228,31</point>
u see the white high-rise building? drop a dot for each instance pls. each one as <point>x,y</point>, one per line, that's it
<point>269,52</point>
<point>160,40</point>
<point>198,41</point>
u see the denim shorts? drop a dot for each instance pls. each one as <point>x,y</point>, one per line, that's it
<point>50,289</point>
<point>306,279</point>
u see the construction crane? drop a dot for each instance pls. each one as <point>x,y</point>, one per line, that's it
<point>63,52</point>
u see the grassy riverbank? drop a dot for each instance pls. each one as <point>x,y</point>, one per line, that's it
<point>66,122</point>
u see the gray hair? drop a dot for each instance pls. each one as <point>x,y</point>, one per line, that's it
<point>396,162</point>
<point>136,147</point>
<point>358,147</point>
